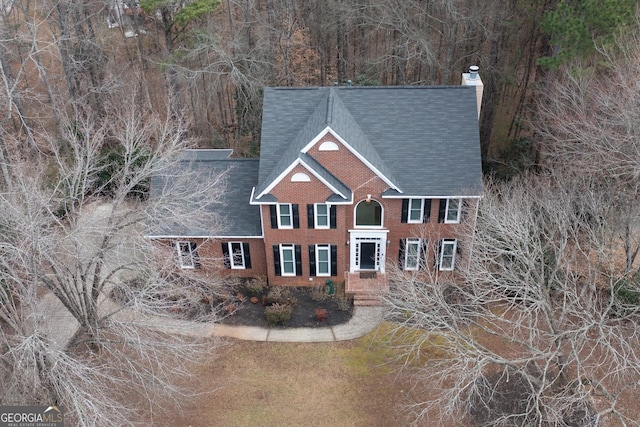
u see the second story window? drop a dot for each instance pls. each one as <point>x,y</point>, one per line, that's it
<point>368,214</point>
<point>415,210</point>
<point>322,216</point>
<point>452,211</point>
<point>284,215</point>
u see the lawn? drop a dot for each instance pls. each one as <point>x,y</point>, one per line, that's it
<point>284,384</point>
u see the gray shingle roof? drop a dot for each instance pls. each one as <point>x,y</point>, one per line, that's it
<point>425,140</point>
<point>240,219</point>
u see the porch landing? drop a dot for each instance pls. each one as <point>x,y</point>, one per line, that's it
<point>366,286</point>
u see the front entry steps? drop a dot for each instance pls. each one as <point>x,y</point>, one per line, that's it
<point>366,286</point>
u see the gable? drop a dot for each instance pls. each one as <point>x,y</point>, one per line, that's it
<point>423,140</point>
<point>300,175</point>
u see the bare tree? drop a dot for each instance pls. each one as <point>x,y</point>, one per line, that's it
<point>74,226</point>
<point>544,329</point>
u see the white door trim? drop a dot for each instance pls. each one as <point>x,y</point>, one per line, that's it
<point>369,236</point>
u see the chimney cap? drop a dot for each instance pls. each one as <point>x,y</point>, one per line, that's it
<point>473,71</point>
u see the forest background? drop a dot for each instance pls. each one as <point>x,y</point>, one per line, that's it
<point>207,61</point>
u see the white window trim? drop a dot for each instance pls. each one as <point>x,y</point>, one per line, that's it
<point>280,215</point>
<point>419,220</point>
<point>446,212</point>
<point>182,255</point>
<point>284,248</point>
<point>315,216</point>
<point>418,243</point>
<point>454,243</point>
<point>355,216</point>
<point>231,257</point>
<point>328,249</point>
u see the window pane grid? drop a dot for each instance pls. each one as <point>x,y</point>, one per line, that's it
<point>323,260</point>
<point>453,210</point>
<point>415,210</point>
<point>447,256</point>
<point>322,216</point>
<point>284,215</point>
<point>288,261</point>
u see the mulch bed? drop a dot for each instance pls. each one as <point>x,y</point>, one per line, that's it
<point>303,315</point>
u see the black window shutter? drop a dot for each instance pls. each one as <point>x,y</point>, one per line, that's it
<point>334,260</point>
<point>464,210</point>
<point>424,253</point>
<point>401,254</point>
<point>247,255</point>
<point>194,253</point>
<point>442,209</point>
<point>296,217</point>
<point>426,217</point>
<point>310,221</point>
<point>405,211</point>
<point>225,255</point>
<point>276,260</point>
<point>332,216</point>
<point>312,260</point>
<point>436,255</point>
<point>298,251</point>
<point>274,216</point>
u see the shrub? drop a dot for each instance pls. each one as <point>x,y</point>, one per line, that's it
<point>279,295</point>
<point>278,314</point>
<point>255,287</point>
<point>318,293</point>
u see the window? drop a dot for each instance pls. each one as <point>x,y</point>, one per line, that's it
<point>323,260</point>
<point>287,260</point>
<point>417,211</point>
<point>187,254</point>
<point>412,254</point>
<point>300,177</point>
<point>321,215</point>
<point>236,255</point>
<point>285,216</point>
<point>448,254</point>
<point>328,146</point>
<point>416,207</point>
<point>453,211</point>
<point>368,214</point>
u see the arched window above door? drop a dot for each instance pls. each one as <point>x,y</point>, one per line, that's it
<point>368,214</point>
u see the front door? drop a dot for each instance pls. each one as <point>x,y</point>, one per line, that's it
<point>368,255</point>
<point>368,250</point>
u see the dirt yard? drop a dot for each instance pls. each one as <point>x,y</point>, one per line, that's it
<point>280,384</point>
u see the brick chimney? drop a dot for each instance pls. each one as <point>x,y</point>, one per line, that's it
<point>473,79</point>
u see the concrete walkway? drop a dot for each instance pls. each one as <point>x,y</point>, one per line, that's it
<point>363,321</point>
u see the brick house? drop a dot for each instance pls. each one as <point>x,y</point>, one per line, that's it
<point>350,181</point>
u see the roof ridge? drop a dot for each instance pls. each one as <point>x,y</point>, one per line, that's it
<point>330,101</point>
